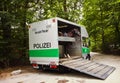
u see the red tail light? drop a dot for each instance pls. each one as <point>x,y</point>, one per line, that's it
<point>53,65</point>
<point>35,65</point>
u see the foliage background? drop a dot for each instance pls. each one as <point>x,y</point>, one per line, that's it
<point>100,17</point>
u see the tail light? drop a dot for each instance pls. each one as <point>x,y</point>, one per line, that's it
<point>53,65</point>
<point>35,65</point>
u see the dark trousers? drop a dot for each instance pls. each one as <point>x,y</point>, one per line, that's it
<point>88,57</point>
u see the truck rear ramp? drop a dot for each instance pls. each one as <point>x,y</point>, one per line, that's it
<point>92,68</point>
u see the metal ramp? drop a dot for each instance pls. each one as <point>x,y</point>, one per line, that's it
<point>92,68</point>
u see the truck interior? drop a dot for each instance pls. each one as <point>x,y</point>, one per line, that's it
<point>69,40</point>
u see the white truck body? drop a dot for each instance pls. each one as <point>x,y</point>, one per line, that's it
<point>44,40</point>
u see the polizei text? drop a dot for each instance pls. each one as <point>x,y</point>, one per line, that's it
<point>42,45</point>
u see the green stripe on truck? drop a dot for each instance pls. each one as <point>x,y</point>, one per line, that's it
<point>44,53</point>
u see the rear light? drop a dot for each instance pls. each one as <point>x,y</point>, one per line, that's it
<point>53,65</point>
<point>35,65</point>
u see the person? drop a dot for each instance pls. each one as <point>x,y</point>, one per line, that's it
<point>88,56</point>
<point>86,52</point>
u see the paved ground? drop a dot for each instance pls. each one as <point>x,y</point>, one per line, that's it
<point>30,75</point>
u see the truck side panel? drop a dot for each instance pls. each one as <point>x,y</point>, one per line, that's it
<point>43,42</point>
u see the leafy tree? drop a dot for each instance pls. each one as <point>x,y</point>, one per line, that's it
<point>14,35</point>
<point>101,18</point>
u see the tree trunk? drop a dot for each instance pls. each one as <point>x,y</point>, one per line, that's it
<point>102,29</point>
<point>6,28</point>
<point>117,35</point>
<point>65,9</point>
<point>23,24</point>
